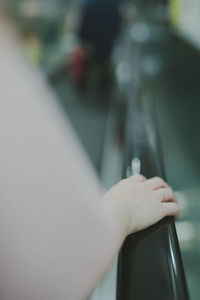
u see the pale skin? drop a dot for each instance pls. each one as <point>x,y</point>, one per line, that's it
<point>138,203</point>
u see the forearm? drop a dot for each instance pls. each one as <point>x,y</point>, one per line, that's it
<point>57,238</point>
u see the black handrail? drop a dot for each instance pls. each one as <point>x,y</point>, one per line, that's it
<point>150,264</point>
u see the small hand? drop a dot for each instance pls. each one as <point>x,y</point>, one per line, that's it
<point>138,203</point>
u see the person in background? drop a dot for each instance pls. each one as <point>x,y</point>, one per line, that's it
<point>98,29</point>
<point>100,25</point>
<point>59,233</point>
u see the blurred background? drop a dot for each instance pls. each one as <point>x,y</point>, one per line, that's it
<point>95,54</point>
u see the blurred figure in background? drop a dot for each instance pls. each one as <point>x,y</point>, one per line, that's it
<point>99,26</point>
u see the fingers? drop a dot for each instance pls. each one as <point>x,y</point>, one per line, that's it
<point>170,209</point>
<point>156,183</point>
<point>137,178</point>
<point>166,195</point>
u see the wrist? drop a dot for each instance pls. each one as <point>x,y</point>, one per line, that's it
<point>119,213</point>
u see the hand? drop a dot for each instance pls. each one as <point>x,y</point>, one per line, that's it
<point>138,203</point>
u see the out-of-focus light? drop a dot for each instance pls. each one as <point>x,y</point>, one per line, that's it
<point>123,73</point>
<point>33,48</point>
<point>136,165</point>
<point>140,32</point>
<point>186,234</point>
<point>30,8</point>
<point>183,203</point>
